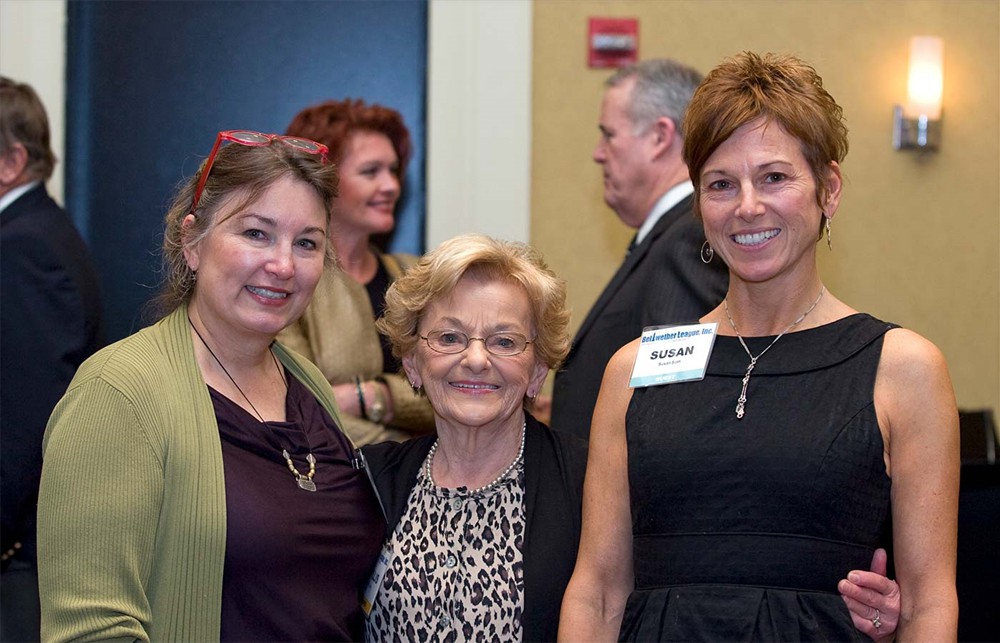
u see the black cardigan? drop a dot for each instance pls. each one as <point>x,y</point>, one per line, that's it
<point>554,466</point>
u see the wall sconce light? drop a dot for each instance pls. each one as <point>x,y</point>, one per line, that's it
<point>917,126</point>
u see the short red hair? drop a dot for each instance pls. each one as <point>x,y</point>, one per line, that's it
<point>333,122</point>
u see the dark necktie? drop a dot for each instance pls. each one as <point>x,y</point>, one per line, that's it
<point>631,246</point>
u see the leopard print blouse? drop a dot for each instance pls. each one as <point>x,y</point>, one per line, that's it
<point>456,572</point>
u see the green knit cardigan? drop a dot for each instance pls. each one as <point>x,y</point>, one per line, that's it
<point>132,505</point>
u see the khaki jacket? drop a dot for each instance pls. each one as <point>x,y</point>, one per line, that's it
<point>337,333</point>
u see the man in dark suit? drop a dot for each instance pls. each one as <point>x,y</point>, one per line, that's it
<point>663,279</point>
<point>49,323</point>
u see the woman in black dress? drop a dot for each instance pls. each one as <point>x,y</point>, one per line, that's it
<point>727,508</point>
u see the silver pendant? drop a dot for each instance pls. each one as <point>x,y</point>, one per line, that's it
<point>306,484</point>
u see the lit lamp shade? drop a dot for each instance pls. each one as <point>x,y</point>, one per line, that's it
<point>926,78</point>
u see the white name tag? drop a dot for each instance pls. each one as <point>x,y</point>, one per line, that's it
<point>672,354</point>
<point>375,582</point>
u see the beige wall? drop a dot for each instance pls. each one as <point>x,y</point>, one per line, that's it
<point>916,239</point>
<point>23,25</point>
<point>478,119</point>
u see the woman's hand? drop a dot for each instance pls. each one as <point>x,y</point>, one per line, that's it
<point>870,594</point>
<point>349,402</point>
<point>346,395</point>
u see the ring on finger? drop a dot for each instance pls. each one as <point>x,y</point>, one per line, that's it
<point>876,621</point>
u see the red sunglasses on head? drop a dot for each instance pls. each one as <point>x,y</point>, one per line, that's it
<point>254,139</point>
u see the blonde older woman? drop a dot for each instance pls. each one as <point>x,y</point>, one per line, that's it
<point>484,516</point>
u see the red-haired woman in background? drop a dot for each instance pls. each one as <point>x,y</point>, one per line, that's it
<point>370,146</point>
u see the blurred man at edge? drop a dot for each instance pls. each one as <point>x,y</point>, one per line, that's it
<point>51,322</point>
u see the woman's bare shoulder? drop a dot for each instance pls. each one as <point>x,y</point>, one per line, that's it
<point>908,356</point>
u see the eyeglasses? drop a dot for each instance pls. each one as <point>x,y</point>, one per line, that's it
<point>254,139</point>
<point>451,342</point>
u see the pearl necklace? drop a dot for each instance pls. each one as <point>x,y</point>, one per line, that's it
<point>305,481</point>
<point>428,464</point>
<point>741,402</point>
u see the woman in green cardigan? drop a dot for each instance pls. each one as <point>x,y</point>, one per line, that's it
<point>196,484</point>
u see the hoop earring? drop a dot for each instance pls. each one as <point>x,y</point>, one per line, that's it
<point>829,241</point>
<point>707,252</point>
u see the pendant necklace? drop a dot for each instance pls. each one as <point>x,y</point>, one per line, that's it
<point>741,402</point>
<point>305,481</point>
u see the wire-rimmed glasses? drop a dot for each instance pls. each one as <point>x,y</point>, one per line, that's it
<point>254,139</point>
<point>451,342</point>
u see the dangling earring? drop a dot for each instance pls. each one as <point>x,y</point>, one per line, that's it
<point>707,252</point>
<point>829,241</point>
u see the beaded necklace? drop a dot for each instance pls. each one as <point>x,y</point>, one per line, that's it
<point>428,464</point>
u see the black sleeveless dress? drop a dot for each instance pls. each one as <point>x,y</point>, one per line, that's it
<point>742,528</point>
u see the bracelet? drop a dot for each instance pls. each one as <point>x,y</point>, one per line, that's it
<point>361,397</point>
<point>377,407</point>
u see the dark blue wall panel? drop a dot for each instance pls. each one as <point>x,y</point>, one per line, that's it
<point>150,84</point>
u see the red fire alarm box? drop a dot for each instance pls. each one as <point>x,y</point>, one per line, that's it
<point>612,42</point>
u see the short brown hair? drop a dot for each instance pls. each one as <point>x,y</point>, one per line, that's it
<point>247,171</point>
<point>23,120</point>
<point>333,122</point>
<point>780,88</point>
<point>437,273</point>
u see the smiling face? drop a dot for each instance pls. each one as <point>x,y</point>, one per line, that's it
<point>257,268</point>
<point>758,203</point>
<point>369,186</point>
<point>474,388</point>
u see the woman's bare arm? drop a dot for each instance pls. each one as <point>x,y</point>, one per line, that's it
<point>603,579</point>
<point>916,408</point>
